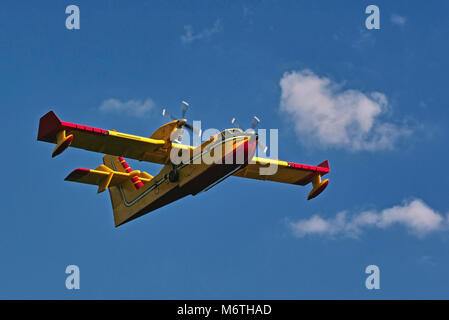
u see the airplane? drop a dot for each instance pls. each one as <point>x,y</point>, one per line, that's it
<point>134,193</point>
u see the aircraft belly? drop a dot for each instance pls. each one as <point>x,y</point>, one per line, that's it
<point>152,199</point>
<point>193,178</point>
<point>214,173</point>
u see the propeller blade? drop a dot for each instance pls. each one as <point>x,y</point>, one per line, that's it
<point>255,122</point>
<point>182,122</point>
<point>235,123</point>
<point>168,115</point>
<point>185,106</point>
<point>193,129</point>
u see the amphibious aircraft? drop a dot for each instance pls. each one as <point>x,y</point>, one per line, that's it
<point>134,193</point>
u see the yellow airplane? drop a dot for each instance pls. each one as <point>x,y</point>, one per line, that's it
<point>134,193</point>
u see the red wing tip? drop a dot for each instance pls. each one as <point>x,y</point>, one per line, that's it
<point>324,164</point>
<point>49,124</point>
<point>50,113</point>
<point>77,174</point>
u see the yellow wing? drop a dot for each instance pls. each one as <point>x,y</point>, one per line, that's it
<point>65,134</point>
<point>287,172</point>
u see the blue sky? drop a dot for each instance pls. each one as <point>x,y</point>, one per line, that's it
<point>386,144</point>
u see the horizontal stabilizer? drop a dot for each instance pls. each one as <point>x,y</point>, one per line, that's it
<point>104,177</point>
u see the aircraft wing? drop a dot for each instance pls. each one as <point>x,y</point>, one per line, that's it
<point>288,172</point>
<point>65,134</point>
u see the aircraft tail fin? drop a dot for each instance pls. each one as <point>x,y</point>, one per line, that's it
<point>127,190</point>
<point>116,176</point>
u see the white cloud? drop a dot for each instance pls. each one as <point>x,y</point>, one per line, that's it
<point>189,36</point>
<point>364,40</point>
<point>135,108</point>
<point>398,20</point>
<point>428,260</point>
<point>327,116</point>
<point>415,216</point>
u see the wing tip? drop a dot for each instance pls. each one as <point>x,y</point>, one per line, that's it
<point>324,164</point>
<point>49,124</point>
<point>77,174</point>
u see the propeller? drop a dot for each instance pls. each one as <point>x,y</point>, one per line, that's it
<point>255,122</point>
<point>182,122</point>
<point>185,106</point>
<point>252,130</point>
<point>235,123</point>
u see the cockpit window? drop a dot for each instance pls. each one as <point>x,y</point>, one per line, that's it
<point>231,132</point>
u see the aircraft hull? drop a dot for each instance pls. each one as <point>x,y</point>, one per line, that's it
<point>193,178</point>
